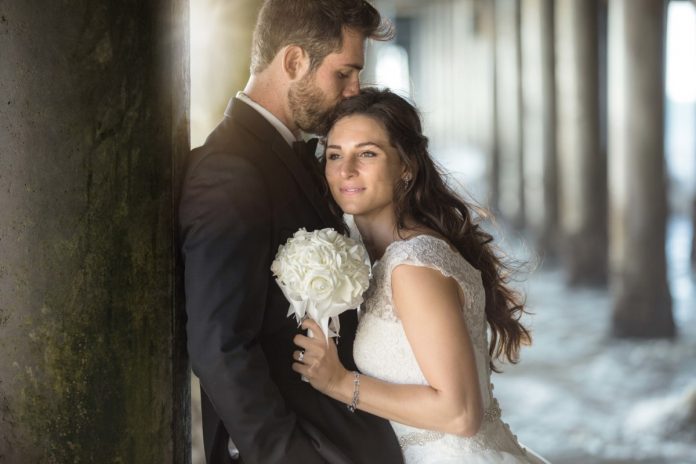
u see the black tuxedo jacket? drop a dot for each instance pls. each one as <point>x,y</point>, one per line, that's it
<point>245,193</point>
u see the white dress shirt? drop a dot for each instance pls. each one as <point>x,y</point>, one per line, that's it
<point>270,117</point>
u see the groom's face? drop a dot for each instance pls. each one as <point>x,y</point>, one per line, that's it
<point>314,96</point>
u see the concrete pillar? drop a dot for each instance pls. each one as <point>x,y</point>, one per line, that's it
<point>582,166</point>
<point>368,76</point>
<point>693,233</point>
<point>453,77</point>
<point>431,60</point>
<point>478,109</point>
<point>93,126</point>
<point>481,70</point>
<point>493,163</point>
<point>693,216</point>
<point>539,123</point>
<point>642,302</point>
<point>509,100</point>
<point>446,56</point>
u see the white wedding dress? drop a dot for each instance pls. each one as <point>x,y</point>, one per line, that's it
<point>382,351</point>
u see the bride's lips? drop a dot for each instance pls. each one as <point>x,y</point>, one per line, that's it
<point>352,190</point>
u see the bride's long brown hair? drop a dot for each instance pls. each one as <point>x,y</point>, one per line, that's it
<point>429,201</point>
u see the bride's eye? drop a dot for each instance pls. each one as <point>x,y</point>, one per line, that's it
<point>368,154</point>
<point>332,156</point>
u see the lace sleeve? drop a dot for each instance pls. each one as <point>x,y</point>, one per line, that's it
<point>434,253</point>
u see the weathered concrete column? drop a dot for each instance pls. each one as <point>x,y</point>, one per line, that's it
<point>493,162</point>
<point>539,123</point>
<point>642,303</point>
<point>509,112</point>
<point>582,166</point>
<point>93,126</point>
<point>693,214</point>
<point>693,236</point>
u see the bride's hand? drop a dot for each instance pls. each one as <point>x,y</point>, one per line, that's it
<point>319,364</point>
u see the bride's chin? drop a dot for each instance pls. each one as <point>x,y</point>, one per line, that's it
<point>349,209</point>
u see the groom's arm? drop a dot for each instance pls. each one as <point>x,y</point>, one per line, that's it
<point>226,238</point>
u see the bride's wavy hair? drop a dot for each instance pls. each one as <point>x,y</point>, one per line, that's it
<point>428,200</point>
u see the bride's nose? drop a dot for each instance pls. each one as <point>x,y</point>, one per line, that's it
<point>348,167</point>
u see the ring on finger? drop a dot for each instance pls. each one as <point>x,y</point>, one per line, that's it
<point>300,357</point>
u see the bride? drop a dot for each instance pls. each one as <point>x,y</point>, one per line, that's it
<point>421,347</point>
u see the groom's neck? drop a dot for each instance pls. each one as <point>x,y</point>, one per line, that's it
<point>272,95</point>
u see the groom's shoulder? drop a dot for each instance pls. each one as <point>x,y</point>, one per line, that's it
<point>227,144</point>
<point>230,137</point>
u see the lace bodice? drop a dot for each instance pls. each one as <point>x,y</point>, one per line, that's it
<point>432,252</point>
<point>382,350</point>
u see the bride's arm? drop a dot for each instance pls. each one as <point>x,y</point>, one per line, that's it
<point>429,308</point>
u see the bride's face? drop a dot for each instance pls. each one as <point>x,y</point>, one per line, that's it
<point>362,167</point>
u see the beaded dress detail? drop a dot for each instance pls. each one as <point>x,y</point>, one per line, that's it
<point>382,351</point>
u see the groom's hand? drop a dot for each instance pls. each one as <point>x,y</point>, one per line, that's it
<point>317,360</point>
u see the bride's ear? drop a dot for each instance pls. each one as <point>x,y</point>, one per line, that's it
<point>295,62</point>
<point>406,175</point>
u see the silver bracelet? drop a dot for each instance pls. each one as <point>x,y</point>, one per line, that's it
<point>356,392</point>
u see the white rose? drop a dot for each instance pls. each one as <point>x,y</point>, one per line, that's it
<point>322,273</point>
<point>319,287</point>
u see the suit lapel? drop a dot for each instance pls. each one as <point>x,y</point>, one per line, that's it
<point>278,146</point>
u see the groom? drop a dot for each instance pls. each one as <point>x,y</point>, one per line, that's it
<point>245,192</point>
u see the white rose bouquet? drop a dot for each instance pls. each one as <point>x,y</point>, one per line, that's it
<point>322,273</point>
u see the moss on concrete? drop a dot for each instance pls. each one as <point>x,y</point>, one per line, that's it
<point>99,386</point>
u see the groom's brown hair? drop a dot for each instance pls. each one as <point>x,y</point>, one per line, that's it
<point>314,25</point>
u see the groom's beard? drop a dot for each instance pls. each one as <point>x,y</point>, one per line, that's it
<point>309,105</point>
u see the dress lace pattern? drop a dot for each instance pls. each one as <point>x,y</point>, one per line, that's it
<point>382,350</point>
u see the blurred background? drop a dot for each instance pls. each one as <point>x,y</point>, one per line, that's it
<point>573,122</point>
